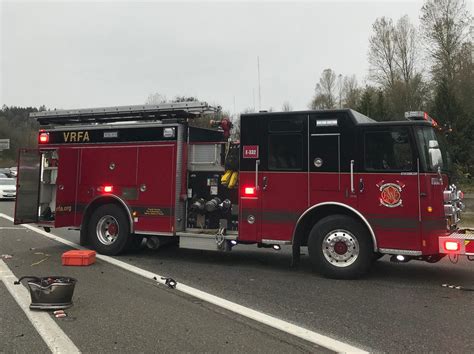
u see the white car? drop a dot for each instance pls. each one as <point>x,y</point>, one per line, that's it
<point>7,188</point>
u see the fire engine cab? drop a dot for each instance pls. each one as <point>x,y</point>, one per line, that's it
<point>349,188</point>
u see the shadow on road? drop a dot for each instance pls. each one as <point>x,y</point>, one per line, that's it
<point>413,272</point>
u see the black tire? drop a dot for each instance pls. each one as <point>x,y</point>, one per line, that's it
<point>347,252</point>
<point>99,220</point>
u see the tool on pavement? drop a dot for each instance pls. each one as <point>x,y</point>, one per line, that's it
<point>457,287</point>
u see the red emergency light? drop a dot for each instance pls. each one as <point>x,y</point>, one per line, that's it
<point>250,191</point>
<point>108,189</point>
<point>451,246</point>
<point>43,137</point>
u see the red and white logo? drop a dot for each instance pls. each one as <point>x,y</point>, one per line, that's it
<point>390,194</point>
<point>250,151</point>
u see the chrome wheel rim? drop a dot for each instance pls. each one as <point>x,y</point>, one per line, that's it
<point>340,248</point>
<point>107,230</point>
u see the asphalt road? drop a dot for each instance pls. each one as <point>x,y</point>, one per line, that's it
<point>397,307</point>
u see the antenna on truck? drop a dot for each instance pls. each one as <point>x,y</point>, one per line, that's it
<point>181,110</point>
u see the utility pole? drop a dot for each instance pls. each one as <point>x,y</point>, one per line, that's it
<point>253,96</point>
<point>259,90</point>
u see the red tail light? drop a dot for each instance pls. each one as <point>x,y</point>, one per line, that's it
<point>250,192</point>
<point>43,138</point>
<point>108,189</point>
<point>451,246</point>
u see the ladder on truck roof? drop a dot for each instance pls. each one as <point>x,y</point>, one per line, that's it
<point>179,110</point>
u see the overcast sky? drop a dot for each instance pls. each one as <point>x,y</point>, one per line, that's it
<point>90,54</point>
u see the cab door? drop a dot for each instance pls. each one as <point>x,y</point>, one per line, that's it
<point>28,186</point>
<point>388,186</point>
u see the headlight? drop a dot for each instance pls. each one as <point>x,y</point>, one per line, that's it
<point>449,210</point>
<point>447,196</point>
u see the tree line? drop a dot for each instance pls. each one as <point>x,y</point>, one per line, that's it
<point>428,68</point>
<point>22,131</point>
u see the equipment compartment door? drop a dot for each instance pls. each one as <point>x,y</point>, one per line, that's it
<point>325,163</point>
<point>157,182</point>
<point>28,181</point>
<point>284,176</point>
<point>66,187</point>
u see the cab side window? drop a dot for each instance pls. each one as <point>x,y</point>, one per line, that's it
<point>285,152</point>
<point>285,143</point>
<point>388,150</point>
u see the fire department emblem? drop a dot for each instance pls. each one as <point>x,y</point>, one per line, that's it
<point>390,194</point>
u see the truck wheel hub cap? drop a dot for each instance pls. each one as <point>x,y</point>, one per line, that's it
<point>340,248</point>
<point>107,230</point>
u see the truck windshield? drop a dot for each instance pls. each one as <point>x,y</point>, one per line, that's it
<point>433,153</point>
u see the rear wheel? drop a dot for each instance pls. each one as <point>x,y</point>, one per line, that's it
<point>109,230</point>
<point>340,247</point>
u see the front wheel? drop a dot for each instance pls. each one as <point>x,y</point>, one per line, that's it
<point>340,247</point>
<point>109,230</point>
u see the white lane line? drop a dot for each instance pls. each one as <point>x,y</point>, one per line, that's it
<point>54,337</point>
<point>300,332</point>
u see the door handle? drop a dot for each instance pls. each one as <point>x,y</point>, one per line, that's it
<point>352,176</point>
<point>257,163</point>
<point>361,185</point>
<point>265,181</point>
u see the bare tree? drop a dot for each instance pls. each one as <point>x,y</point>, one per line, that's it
<point>445,29</point>
<point>444,25</point>
<point>350,92</point>
<point>155,98</point>
<point>325,91</point>
<point>393,54</point>
<point>286,107</point>
<point>185,99</point>
<point>406,49</point>
<point>382,52</point>
<point>339,89</point>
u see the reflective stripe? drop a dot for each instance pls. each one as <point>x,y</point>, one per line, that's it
<point>276,216</point>
<point>152,210</point>
<point>395,223</point>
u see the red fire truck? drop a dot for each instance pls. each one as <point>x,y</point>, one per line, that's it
<point>349,188</point>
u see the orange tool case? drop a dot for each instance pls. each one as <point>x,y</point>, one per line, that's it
<point>78,258</point>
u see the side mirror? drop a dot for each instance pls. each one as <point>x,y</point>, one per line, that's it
<point>436,159</point>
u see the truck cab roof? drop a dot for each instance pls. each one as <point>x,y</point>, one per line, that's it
<point>356,117</point>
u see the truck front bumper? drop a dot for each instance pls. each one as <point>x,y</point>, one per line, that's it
<point>459,242</point>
